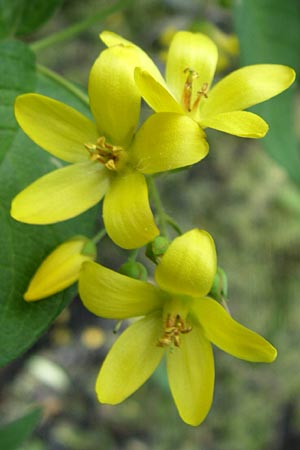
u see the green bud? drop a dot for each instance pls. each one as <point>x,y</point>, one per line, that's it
<point>134,269</point>
<point>157,248</point>
<point>219,289</point>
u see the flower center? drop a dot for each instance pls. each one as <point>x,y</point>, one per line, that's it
<point>188,91</point>
<point>106,153</point>
<point>174,326</point>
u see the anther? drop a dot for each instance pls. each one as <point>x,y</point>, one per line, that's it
<point>174,326</point>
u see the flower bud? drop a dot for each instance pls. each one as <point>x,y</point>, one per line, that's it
<point>219,290</point>
<point>61,268</point>
<point>134,269</point>
<point>157,248</point>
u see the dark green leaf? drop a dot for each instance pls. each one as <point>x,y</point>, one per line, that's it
<point>23,247</point>
<point>269,33</point>
<point>14,434</point>
<point>19,17</point>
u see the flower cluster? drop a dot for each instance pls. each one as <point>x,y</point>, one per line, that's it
<point>111,158</point>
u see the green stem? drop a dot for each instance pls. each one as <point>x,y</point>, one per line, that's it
<point>133,254</point>
<point>160,212</point>
<point>71,31</point>
<point>99,236</point>
<point>173,224</point>
<point>63,82</point>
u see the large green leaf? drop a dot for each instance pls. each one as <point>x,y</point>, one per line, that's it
<point>268,31</point>
<point>23,247</point>
<point>18,17</point>
<point>14,434</point>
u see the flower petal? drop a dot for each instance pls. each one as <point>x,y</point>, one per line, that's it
<point>61,194</point>
<point>196,52</point>
<point>110,39</point>
<point>239,123</point>
<point>155,94</point>
<point>191,376</point>
<point>56,127</point>
<point>246,87</point>
<point>229,335</point>
<point>114,296</point>
<point>131,360</point>
<point>167,141</point>
<point>189,265</point>
<point>127,215</point>
<point>59,270</point>
<point>114,98</point>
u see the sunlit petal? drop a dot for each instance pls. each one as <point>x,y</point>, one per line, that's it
<point>239,123</point>
<point>246,87</point>
<point>189,265</point>
<point>191,376</point>
<point>61,194</point>
<point>167,141</point>
<point>59,270</point>
<point>196,52</point>
<point>56,127</point>
<point>110,39</point>
<point>114,98</point>
<point>131,360</point>
<point>127,215</point>
<point>109,294</point>
<point>155,94</point>
<point>229,335</point>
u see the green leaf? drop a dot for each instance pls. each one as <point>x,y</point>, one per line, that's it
<point>14,434</point>
<point>22,246</point>
<point>268,31</point>
<point>19,17</point>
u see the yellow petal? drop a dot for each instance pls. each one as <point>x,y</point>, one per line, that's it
<point>114,98</point>
<point>56,127</point>
<point>114,296</point>
<point>246,87</point>
<point>126,212</point>
<point>229,335</point>
<point>155,94</point>
<point>131,360</point>
<point>59,270</point>
<point>191,376</point>
<point>189,265</point>
<point>61,194</point>
<point>196,52</point>
<point>239,123</point>
<point>167,141</point>
<point>111,39</point>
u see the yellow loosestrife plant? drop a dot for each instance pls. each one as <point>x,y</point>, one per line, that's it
<point>110,158</point>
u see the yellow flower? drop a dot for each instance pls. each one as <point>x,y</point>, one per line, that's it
<point>190,69</point>
<point>179,320</point>
<point>108,158</point>
<point>61,268</point>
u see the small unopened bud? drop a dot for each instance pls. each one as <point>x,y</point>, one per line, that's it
<point>157,248</point>
<point>61,268</point>
<point>134,269</point>
<point>219,290</point>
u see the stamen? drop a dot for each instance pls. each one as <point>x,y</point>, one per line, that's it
<point>200,94</point>
<point>174,326</point>
<point>188,88</point>
<point>104,152</point>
